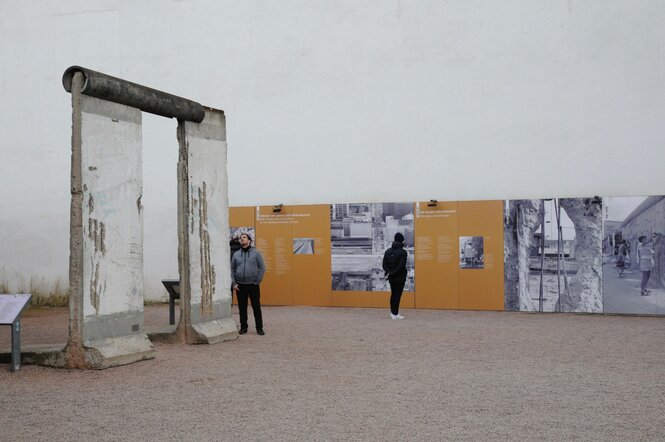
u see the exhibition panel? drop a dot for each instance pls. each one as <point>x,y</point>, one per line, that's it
<point>273,239</point>
<point>480,242</point>
<point>436,255</point>
<point>587,255</point>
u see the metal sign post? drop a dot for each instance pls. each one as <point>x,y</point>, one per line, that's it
<point>11,307</point>
<point>173,287</point>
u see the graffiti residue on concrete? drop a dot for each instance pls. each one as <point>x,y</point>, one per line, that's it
<point>97,234</point>
<point>138,202</point>
<point>95,288</point>
<point>207,270</point>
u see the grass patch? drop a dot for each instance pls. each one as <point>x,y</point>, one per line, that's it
<point>43,293</point>
<point>148,302</point>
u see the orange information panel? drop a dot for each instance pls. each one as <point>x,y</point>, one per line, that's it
<point>241,217</point>
<point>273,235</point>
<point>480,248</point>
<point>459,255</point>
<point>311,256</point>
<point>370,299</point>
<point>331,255</point>
<point>296,248</point>
<point>437,264</point>
<point>380,299</point>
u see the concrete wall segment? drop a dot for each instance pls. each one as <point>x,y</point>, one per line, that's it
<point>203,230</point>
<point>106,235</point>
<point>112,220</point>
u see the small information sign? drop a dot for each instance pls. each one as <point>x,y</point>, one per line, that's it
<point>11,307</point>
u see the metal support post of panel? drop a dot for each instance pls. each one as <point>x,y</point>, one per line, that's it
<point>106,325</point>
<point>203,230</point>
<point>16,345</point>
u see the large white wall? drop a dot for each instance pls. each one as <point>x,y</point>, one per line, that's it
<point>332,101</point>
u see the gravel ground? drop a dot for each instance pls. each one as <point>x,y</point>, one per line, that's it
<point>355,374</point>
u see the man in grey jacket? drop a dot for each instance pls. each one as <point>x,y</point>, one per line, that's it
<point>247,271</point>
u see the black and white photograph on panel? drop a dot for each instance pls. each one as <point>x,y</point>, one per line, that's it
<point>471,252</point>
<point>234,237</point>
<point>634,255</point>
<point>553,255</point>
<point>360,234</point>
<point>303,246</point>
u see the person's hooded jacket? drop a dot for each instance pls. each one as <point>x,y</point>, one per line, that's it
<point>247,266</point>
<point>394,262</point>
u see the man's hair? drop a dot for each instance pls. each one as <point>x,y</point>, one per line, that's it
<point>642,238</point>
<point>247,235</point>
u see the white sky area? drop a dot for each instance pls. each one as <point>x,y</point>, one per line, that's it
<point>618,208</point>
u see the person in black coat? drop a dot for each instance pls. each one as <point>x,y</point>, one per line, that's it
<point>394,266</point>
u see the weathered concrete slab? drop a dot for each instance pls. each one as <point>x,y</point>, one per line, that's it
<point>109,352</point>
<point>205,282</point>
<point>106,246</point>
<point>49,355</point>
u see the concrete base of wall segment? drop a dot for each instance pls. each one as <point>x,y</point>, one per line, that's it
<point>98,354</point>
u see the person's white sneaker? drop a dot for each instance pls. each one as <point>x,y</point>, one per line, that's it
<point>393,316</point>
<point>398,316</point>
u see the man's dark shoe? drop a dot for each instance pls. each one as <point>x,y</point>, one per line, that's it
<point>261,332</point>
<point>243,331</point>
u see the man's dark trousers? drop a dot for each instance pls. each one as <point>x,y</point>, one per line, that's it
<point>253,292</point>
<point>396,289</point>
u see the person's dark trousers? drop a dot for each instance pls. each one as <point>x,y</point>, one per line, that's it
<point>396,289</point>
<point>645,279</point>
<point>253,293</point>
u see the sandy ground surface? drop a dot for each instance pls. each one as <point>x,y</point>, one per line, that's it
<point>354,374</point>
